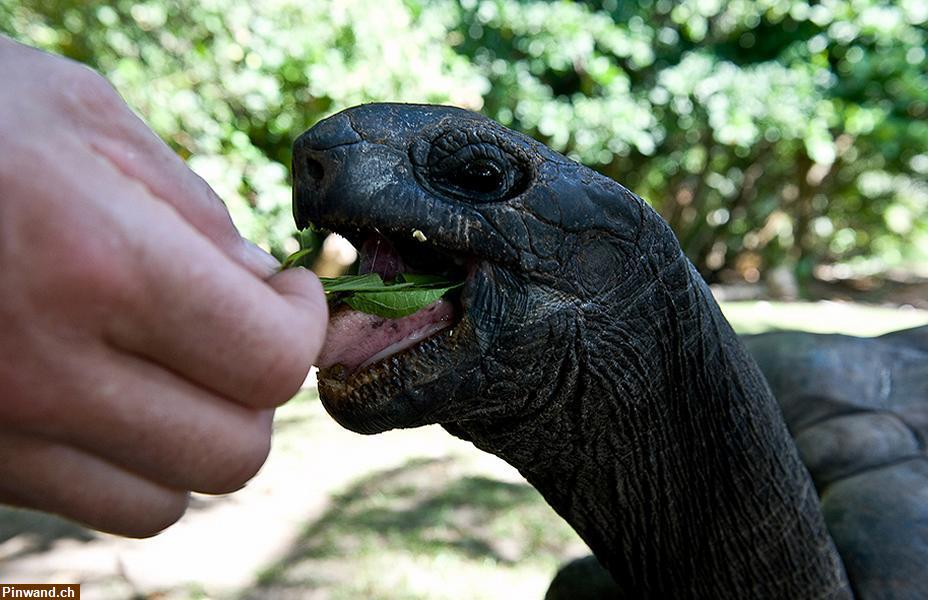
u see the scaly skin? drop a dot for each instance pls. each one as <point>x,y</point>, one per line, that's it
<point>591,355</point>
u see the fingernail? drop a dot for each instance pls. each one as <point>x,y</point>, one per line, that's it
<point>258,259</point>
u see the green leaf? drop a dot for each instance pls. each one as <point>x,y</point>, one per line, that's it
<point>309,239</point>
<point>357,283</point>
<point>392,304</point>
<point>368,293</point>
<point>420,279</point>
<point>310,244</point>
<point>297,259</point>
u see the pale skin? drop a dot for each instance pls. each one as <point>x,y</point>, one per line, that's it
<point>144,344</point>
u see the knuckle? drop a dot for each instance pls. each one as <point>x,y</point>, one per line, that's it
<point>237,467</point>
<point>166,510</point>
<point>87,91</point>
<point>280,379</point>
<point>96,272</point>
<point>27,406</point>
<point>217,214</point>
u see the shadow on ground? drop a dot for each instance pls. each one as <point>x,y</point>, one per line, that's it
<point>401,532</point>
<point>24,532</point>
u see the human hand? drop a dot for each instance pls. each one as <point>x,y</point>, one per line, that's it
<point>144,343</point>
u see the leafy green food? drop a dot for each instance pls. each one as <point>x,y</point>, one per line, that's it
<point>369,282</point>
<point>369,293</point>
<point>310,245</point>
<point>393,303</point>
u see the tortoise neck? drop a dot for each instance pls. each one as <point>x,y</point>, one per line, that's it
<point>676,468</point>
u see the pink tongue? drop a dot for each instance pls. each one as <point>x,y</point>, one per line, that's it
<point>355,339</point>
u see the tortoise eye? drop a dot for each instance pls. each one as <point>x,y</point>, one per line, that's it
<point>472,170</point>
<point>482,176</point>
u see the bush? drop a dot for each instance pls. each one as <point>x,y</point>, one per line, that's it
<point>767,132</point>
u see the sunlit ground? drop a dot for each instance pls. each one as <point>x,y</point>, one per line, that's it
<point>334,515</point>
<point>821,317</point>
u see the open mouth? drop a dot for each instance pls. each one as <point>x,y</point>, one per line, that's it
<point>367,355</point>
<point>356,340</point>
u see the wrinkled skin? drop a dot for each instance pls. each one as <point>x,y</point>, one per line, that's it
<point>589,354</point>
<point>537,259</point>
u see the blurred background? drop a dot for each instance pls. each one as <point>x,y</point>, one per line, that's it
<point>786,142</point>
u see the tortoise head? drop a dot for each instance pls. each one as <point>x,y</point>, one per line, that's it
<point>554,257</point>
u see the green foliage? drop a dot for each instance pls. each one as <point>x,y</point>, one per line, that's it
<point>766,132</point>
<point>230,84</point>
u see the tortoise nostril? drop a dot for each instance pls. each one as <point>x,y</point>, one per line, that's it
<point>308,183</point>
<point>314,169</point>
